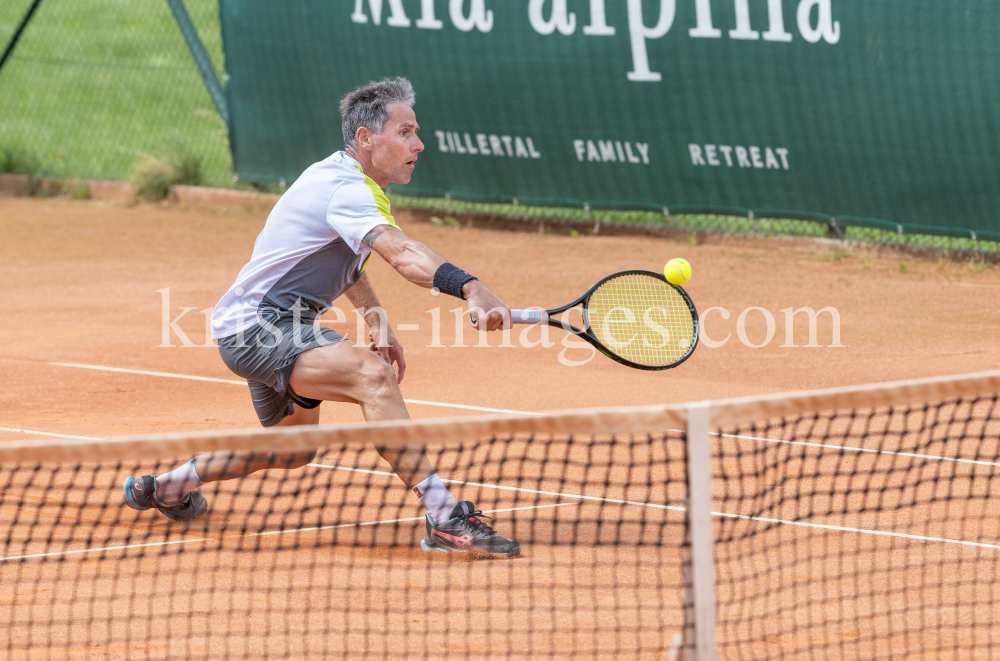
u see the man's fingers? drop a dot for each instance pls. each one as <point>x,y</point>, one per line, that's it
<point>401,365</point>
<point>382,352</point>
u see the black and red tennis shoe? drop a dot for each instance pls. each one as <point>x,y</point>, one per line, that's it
<point>140,494</point>
<point>465,532</point>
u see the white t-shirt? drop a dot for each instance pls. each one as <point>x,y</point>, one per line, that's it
<point>310,250</point>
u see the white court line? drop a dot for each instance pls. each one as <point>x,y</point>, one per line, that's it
<point>729,515</point>
<point>257,534</point>
<point>244,383</point>
<point>506,488</point>
<point>47,433</point>
<point>145,373</point>
<point>375,523</point>
<point>856,449</point>
<point>867,531</point>
<point>106,548</point>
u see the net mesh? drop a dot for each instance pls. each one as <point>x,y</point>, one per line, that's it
<point>860,534</point>
<point>839,533</point>
<point>325,560</point>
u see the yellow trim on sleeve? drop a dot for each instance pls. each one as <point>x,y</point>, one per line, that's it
<point>381,201</point>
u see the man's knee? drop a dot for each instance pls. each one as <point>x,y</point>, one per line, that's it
<point>377,378</point>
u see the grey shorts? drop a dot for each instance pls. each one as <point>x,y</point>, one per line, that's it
<point>265,356</point>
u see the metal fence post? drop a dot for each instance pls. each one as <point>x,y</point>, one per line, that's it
<point>201,58</point>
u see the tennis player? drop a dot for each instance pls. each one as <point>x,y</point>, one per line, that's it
<point>314,247</point>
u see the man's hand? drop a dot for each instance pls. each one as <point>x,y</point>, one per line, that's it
<point>490,312</point>
<point>391,352</point>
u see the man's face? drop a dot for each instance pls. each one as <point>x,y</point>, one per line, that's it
<point>394,151</point>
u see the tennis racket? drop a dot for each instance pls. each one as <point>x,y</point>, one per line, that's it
<point>635,318</point>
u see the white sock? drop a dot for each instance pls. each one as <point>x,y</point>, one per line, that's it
<point>173,486</point>
<point>436,498</point>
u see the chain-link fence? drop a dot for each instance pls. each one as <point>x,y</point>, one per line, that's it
<point>100,88</point>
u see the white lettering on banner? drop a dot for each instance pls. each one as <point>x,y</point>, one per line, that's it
<point>484,145</point>
<point>469,15</point>
<point>770,160</point>
<point>826,28</point>
<point>776,30</point>
<point>558,19</point>
<point>397,18</point>
<point>710,155</point>
<point>639,33</point>
<point>479,17</point>
<point>453,142</point>
<point>743,30</point>
<point>703,13</point>
<point>611,151</point>
<point>598,23</point>
<point>745,157</point>
<point>427,20</point>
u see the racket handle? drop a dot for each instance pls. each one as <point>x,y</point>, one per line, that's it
<point>528,317</point>
<point>522,317</point>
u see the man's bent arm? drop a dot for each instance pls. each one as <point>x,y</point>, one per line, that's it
<point>411,259</point>
<point>418,264</point>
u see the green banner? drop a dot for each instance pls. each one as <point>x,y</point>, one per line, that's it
<point>857,109</point>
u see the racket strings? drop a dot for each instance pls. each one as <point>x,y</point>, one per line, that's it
<point>642,319</point>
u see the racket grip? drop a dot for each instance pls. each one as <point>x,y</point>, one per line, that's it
<point>528,316</point>
<point>522,317</point>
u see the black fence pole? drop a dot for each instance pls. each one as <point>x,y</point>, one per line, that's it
<point>17,33</point>
<point>201,58</point>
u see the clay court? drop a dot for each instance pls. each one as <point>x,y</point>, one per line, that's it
<point>83,321</point>
<point>81,282</point>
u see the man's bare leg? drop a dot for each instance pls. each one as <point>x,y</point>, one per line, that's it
<point>215,466</point>
<point>341,373</point>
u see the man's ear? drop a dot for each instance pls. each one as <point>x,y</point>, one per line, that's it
<point>363,137</point>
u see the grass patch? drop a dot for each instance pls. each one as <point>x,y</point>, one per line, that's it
<point>696,223</point>
<point>92,85</point>
<point>14,159</point>
<point>877,236</point>
<point>155,177</point>
<point>693,222</point>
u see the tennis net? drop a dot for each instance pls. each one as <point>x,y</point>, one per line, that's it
<point>849,524</point>
<point>324,561</point>
<point>860,523</point>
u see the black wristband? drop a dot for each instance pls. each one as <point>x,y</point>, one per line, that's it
<point>449,279</point>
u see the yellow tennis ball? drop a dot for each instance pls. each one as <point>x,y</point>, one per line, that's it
<point>677,271</point>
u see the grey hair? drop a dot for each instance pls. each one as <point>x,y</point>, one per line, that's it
<point>366,106</point>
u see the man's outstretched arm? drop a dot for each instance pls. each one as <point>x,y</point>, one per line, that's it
<point>418,264</point>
